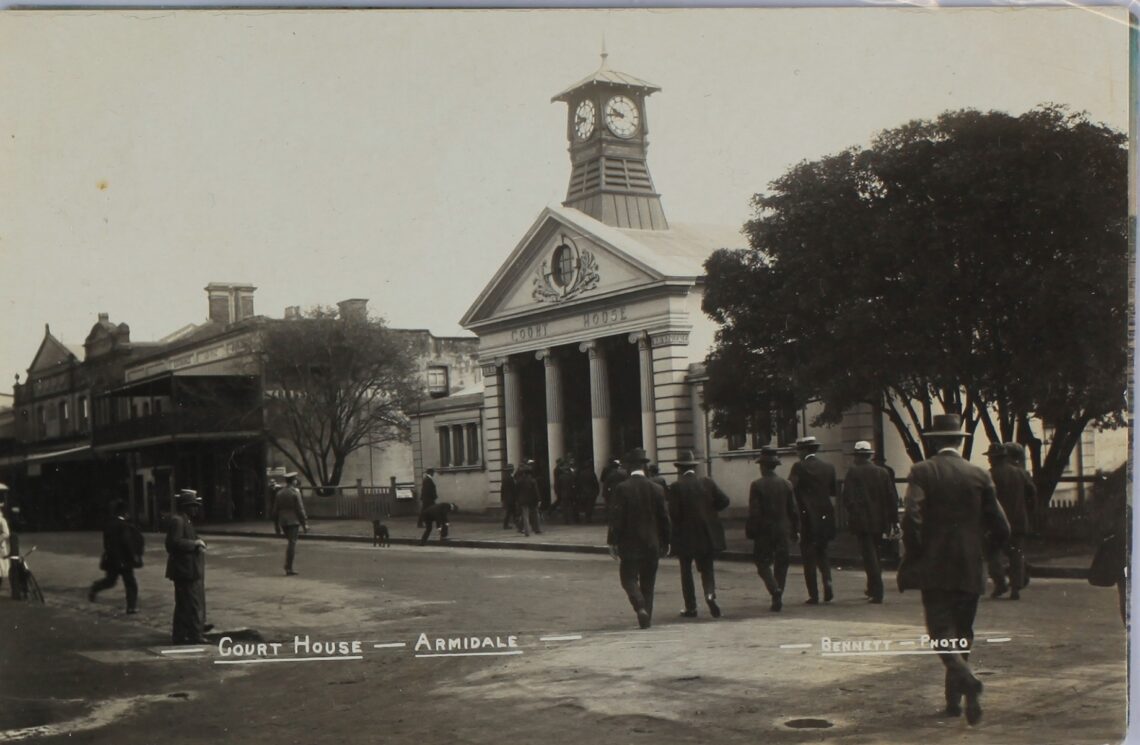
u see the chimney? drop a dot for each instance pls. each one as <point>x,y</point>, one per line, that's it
<point>355,309</point>
<point>292,312</point>
<point>230,302</point>
<point>104,317</point>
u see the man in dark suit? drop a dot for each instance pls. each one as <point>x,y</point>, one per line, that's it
<point>773,521</point>
<point>119,557</point>
<point>428,494</point>
<point>586,489</point>
<point>638,534</point>
<point>871,501</point>
<point>815,486</point>
<point>698,535</point>
<point>437,514</point>
<point>289,518</point>
<point>508,496</point>
<point>526,488</point>
<point>612,475</point>
<point>186,567</point>
<point>1015,492</point>
<point>565,481</point>
<point>950,505</point>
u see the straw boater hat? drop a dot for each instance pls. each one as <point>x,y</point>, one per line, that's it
<point>807,443</point>
<point>769,456</point>
<point>187,497</point>
<point>862,447</point>
<point>946,425</point>
<point>688,459</point>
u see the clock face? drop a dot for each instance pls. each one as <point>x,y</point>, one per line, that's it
<point>621,116</point>
<point>584,118</point>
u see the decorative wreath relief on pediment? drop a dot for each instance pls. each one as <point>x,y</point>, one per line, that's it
<point>568,273</point>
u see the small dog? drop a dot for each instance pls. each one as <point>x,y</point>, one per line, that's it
<point>380,534</point>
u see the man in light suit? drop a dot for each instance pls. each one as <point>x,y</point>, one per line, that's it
<point>639,534</point>
<point>815,486</point>
<point>289,517</point>
<point>950,505</point>
<point>698,535</point>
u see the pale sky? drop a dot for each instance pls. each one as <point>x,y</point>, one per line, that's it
<point>400,155</point>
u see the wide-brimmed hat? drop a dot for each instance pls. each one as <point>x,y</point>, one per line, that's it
<point>769,456</point>
<point>807,443</point>
<point>636,455</point>
<point>687,459</point>
<point>946,425</point>
<point>997,450</point>
<point>187,497</point>
<point>862,447</point>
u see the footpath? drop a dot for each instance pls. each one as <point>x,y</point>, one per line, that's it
<point>485,531</point>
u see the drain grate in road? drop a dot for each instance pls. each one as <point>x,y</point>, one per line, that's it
<point>808,723</point>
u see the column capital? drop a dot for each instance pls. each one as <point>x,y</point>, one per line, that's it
<point>640,338</point>
<point>590,347</point>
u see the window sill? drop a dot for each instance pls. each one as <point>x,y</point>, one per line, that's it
<point>460,469</point>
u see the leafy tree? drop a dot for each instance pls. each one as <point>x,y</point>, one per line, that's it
<point>975,264</point>
<point>335,385</point>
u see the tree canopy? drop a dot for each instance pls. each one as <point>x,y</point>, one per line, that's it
<point>335,385</point>
<point>976,264</point>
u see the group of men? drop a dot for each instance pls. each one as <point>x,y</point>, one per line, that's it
<point>955,519</point>
<point>575,488</point>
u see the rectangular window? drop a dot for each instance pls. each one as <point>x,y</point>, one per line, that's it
<point>472,444</point>
<point>457,438</point>
<point>444,447</point>
<point>437,381</point>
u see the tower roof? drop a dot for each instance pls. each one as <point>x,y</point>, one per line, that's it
<point>605,76</point>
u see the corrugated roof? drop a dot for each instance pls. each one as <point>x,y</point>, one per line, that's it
<point>609,77</point>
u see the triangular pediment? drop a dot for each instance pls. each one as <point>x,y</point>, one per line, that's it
<point>51,354</point>
<point>568,258</point>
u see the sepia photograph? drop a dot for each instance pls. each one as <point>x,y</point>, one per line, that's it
<point>565,375</point>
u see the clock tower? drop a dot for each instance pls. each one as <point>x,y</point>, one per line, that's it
<point>606,126</point>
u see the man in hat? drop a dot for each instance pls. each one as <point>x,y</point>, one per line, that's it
<point>773,521</point>
<point>565,480</point>
<point>508,497</point>
<point>1015,492</point>
<point>639,534</point>
<point>186,567</point>
<point>526,487</point>
<point>698,535</point>
<point>428,494</point>
<point>289,517</point>
<point>871,501</point>
<point>815,486</point>
<point>612,475</point>
<point>950,505</point>
<point>121,556</point>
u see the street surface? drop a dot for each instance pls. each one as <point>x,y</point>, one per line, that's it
<point>1053,663</point>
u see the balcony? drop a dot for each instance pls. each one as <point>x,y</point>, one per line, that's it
<point>186,423</point>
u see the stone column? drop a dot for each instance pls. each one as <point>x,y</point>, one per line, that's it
<point>648,417</point>
<point>555,439</point>
<point>512,404</point>
<point>674,413</point>
<point>599,404</point>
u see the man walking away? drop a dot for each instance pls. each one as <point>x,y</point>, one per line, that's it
<point>815,486</point>
<point>122,554</point>
<point>428,494</point>
<point>871,502</point>
<point>773,521</point>
<point>697,535</point>
<point>639,534</point>
<point>437,514</point>
<point>950,505</point>
<point>527,491</point>
<point>1015,492</point>
<point>186,567</point>
<point>289,516</point>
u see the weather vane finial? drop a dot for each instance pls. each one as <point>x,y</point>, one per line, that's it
<point>604,54</point>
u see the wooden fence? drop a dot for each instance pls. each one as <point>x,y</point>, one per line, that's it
<point>359,502</point>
